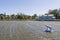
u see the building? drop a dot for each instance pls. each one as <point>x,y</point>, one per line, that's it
<point>46,17</point>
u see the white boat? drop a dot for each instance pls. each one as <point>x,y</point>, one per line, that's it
<point>48,28</point>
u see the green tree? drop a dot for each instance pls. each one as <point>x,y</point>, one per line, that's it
<point>34,16</point>
<point>8,17</point>
<point>13,16</point>
<point>1,16</point>
<point>55,12</point>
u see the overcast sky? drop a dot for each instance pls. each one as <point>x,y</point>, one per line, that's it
<point>29,7</point>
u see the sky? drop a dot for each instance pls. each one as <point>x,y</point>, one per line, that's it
<point>28,7</point>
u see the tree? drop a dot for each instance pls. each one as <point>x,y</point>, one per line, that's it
<point>8,17</point>
<point>55,12</point>
<point>18,16</point>
<point>34,16</point>
<point>1,16</point>
<point>13,16</point>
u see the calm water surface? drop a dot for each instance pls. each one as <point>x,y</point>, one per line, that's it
<point>28,30</point>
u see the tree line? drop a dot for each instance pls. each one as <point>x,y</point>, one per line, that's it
<point>55,12</point>
<point>20,16</point>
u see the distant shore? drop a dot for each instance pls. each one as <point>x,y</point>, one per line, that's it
<point>31,20</point>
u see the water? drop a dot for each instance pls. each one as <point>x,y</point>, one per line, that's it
<point>28,30</point>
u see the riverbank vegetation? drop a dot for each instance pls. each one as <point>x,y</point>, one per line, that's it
<point>21,16</point>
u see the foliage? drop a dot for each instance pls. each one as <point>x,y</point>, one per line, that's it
<point>55,12</point>
<point>34,16</point>
<point>19,16</point>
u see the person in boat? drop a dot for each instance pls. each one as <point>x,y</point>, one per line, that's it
<point>49,28</point>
